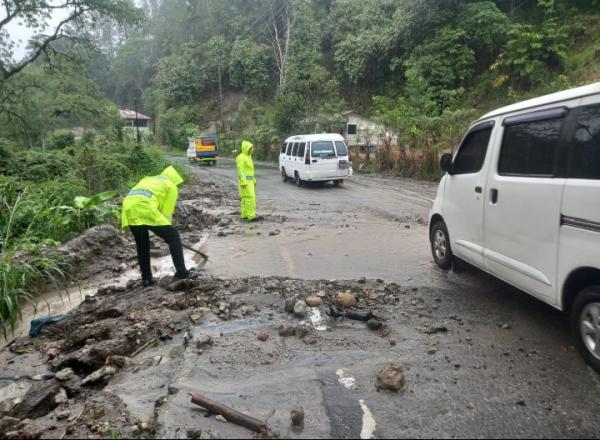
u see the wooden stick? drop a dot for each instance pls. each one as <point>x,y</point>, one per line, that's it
<point>230,414</point>
<point>143,347</point>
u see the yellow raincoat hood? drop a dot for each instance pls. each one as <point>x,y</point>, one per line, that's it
<point>246,147</point>
<point>173,175</point>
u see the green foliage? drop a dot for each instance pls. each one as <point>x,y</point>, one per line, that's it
<point>88,211</point>
<point>181,77</point>
<point>288,110</point>
<point>532,53</point>
<point>61,139</point>
<point>38,165</point>
<point>248,65</point>
<point>177,124</point>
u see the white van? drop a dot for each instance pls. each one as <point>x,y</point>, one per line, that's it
<point>521,200</point>
<point>315,158</point>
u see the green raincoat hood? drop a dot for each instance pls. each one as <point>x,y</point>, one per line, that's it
<point>173,175</point>
<point>246,146</point>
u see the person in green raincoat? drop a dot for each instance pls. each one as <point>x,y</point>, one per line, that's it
<point>247,181</point>
<point>149,206</point>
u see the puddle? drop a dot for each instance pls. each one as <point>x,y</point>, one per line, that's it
<point>368,422</point>
<point>316,318</point>
<point>347,381</point>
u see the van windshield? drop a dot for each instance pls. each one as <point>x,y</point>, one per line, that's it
<point>322,149</point>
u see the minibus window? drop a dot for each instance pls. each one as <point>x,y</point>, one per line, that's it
<point>295,149</point>
<point>585,145</point>
<point>283,148</point>
<point>323,149</point>
<point>301,149</point>
<point>289,149</point>
<point>341,148</point>
<point>471,154</point>
<point>529,149</point>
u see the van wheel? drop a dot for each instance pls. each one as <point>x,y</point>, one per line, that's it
<point>284,176</point>
<point>585,325</point>
<point>440,245</point>
<point>297,179</point>
<point>338,182</point>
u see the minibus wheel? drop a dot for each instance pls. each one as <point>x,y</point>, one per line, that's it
<point>284,176</point>
<point>297,179</point>
<point>440,245</point>
<point>585,325</point>
<point>338,182</point>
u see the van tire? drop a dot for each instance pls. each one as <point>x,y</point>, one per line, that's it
<point>338,182</point>
<point>284,176</point>
<point>440,245</point>
<point>588,300</point>
<point>297,179</point>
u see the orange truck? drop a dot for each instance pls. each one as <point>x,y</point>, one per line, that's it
<point>204,148</point>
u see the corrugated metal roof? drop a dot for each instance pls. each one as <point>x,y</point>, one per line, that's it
<point>130,114</point>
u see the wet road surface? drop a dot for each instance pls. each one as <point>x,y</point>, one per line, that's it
<point>478,380</point>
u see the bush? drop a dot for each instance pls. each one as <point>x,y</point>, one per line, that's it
<point>40,165</point>
<point>61,139</point>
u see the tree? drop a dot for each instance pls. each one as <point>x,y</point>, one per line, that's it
<point>36,15</point>
<point>133,69</point>
<point>280,31</point>
<point>248,65</point>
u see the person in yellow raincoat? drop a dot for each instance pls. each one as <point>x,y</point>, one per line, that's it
<point>247,182</point>
<point>149,206</point>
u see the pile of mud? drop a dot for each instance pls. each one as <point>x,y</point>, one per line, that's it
<point>60,389</point>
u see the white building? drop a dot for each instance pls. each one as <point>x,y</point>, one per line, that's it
<point>130,117</point>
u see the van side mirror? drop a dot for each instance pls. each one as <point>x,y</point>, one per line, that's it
<point>446,163</point>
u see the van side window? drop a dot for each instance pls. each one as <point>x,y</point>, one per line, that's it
<point>530,149</point>
<point>283,148</point>
<point>471,154</point>
<point>301,149</point>
<point>341,148</point>
<point>585,145</point>
<point>289,149</point>
<point>295,149</point>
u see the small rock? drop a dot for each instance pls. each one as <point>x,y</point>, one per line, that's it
<point>314,301</point>
<point>322,294</point>
<point>198,314</point>
<point>172,390</point>
<point>385,331</point>
<point>53,353</point>
<point>64,375</point>
<point>287,330</point>
<point>393,342</point>
<point>290,303</point>
<point>433,329</point>
<point>144,426</point>
<point>391,378</point>
<point>275,232</point>
<point>245,310</point>
<point>311,340</point>
<point>300,309</point>
<point>301,331</point>
<point>221,419</point>
<point>62,415</point>
<point>297,414</point>
<point>506,327</point>
<point>203,341</point>
<point>100,375</point>
<point>345,299</point>
<point>7,423</point>
<point>363,280</point>
<point>44,376</point>
<point>61,398</point>
<point>374,324</point>
<point>432,351</point>
<point>221,234</point>
<point>263,336</point>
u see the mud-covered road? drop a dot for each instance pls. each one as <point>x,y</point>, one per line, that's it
<point>480,359</point>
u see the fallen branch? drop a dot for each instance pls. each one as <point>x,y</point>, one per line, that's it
<point>143,347</point>
<point>231,415</point>
<point>337,312</point>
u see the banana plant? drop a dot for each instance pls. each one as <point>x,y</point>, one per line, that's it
<point>90,211</point>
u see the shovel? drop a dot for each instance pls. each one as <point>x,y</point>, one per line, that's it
<point>200,264</point>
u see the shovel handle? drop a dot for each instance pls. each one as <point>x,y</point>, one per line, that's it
<point>202,254</point>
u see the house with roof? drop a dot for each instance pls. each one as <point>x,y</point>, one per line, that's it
<point>129,117</point>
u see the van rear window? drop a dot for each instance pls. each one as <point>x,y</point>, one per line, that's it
<point>341,148</point>
<point>322,149</point>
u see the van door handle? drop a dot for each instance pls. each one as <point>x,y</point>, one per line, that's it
<point>478,189</point>
<point>494,196</point>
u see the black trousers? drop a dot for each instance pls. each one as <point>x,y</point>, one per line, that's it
<point>168,234</point>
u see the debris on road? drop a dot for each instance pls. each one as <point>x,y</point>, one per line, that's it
<point>300,309</point>
<point>231,415</point>
<point>263,336</point>
<point>345,299</point>
<point>100,375</point>
<point>314,301</point>
<point>391,378</point>
<point>434,329</point>
<point>297,415</point>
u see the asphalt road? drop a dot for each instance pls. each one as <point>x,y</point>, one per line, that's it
<point>479,379</point>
